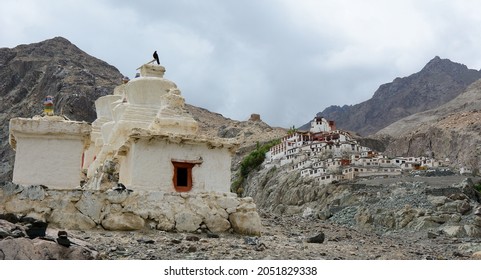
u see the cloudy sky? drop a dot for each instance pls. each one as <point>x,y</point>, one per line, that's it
<point>284,59</point>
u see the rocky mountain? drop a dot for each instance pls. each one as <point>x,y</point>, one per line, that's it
<point>53,67</point>
<point>451,131</point>
<point>75,79</point>
<point>438,82</point>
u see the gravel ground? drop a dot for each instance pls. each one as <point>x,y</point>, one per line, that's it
<point>283,238</point>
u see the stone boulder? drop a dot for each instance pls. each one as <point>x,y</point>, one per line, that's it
<point>477,255</point>
<point>90,205</point>
<point>217,223</point>
<point>71,220</point>
<point>246,220</point>
<point>248,223</point>
<point>454,231</point>
<point>19,242</point>
<point>319,238</point>
<point>187,221</point>
<point>123,221</point>
<point>41,249</point>
<point>8,229</point>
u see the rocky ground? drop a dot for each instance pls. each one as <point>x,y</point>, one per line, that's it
<point>369,222</point>
<point>283,238</point>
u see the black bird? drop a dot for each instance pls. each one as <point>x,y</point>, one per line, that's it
<point>120,187</point>
<point>156,57</point>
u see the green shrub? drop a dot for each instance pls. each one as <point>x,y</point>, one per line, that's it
<point>478,187</point>
<point>251,162</point>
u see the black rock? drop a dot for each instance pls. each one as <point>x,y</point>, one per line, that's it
<point>192,238</point>
<point>260,247</point>
<point>146,241</point>
<point>212,235</point>
<point>251,240</point>
<point>34,228</point>
<point>316,239</point>
<point>432,235</point>
<point>458,254</point>
<point>12,218</point>
<point>63,241</point>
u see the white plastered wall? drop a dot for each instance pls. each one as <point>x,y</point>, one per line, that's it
<point>148,166</point>
<point>53,162</point>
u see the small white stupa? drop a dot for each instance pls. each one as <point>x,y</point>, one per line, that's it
<point>145,128</point>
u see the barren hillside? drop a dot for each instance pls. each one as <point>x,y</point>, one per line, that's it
<point>438,82</point>
<point>451,131</point>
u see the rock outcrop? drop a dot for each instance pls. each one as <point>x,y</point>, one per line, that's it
<point>17,242</point>
<point>444,205</point>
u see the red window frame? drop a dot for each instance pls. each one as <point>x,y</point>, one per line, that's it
<point>175,180</point>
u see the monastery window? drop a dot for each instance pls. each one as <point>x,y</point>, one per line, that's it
<point>182,176</point>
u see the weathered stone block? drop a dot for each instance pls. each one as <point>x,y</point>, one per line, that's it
<point>248,223</point>
<point>32,193</point>
<point>187,221</point>
<point>437,200</point>
<point>463,207</point>
<point>10,189</point>
<point>449,207</point>
<point>216,223</point>
<point>116,196</point>
<point>476,255</point>
<point>472,231</point>
<point>199,206</point>
<point>249,206</point>
<point>70,220</point>
<point>38,249</point>
<point>423,223</point>
<point>165,222</point>
<point>454,231</point>
<point>221,212</point>
<point>228,202</point>
<point>18,206</point>
<point>91,205</point>
<point>123,221</point>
